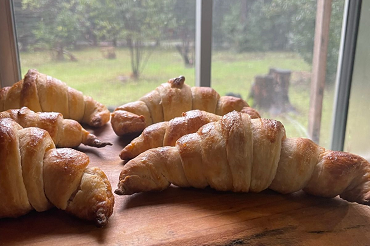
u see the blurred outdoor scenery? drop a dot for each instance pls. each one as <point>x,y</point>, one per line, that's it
<point>116,51</point>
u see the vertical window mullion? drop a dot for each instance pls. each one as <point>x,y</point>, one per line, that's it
<point>345,69</point>
<point>9,60</point>
<point>203,42</point>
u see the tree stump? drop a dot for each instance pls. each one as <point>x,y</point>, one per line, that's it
<point>262,89</point>
<point>270,92</point>
<point>108,52</point>
<point>281,85</point>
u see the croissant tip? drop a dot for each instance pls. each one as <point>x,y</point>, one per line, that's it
<point>103,144</point>
<point>31,71</point>
<point>366,199</point>
<point>93,141</point>
<point>101,219</point>
<point>123,155</point>
<point>177,82</point>
<point>120,191</point>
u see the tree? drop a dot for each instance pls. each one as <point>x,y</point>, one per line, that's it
<point>138,22</point>
<point>26,21</point>
<point>57,28</point>
<point>303,32</point>
<point>183,27</point>
<point>251,25</point>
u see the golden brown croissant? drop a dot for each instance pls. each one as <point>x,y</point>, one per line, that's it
<point>42,93</point>
<point>36,175</point>
<point>248,155</point>
<point>64,132</point>
<point>166,133</point>
<point>170,100</point>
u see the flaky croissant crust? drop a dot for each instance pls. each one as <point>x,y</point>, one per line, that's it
<point>166,133</point>
<point>43,93</point>
<point>241,154</point>
<point>170,100</point>
<point>36,175</point>
<point>64,132</point>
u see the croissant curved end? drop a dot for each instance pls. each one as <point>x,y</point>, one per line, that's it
<point>125,183</point>
<point>100,144</point>
<point>98,121</point>
<point>93,141</point>
<point>367,198</point>
<point>124,122</point>
<point>125,153</point>
<point>120,191</point>
<point>102,216</point>
<point>177,82</point>
<point>94,201</point>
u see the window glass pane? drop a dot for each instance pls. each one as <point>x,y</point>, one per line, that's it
<point>254,39</point>
<point>114,51</point>
<point>358,127</point>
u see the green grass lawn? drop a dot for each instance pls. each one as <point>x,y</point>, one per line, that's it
<point>110,81</point>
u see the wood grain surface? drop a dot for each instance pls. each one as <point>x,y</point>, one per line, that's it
<point>179,216</point>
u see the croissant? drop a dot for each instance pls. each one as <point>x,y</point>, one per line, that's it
<point>36,175</point>
<point>241,154</point>
<point>64,132</point>
<point>168,101</point>
<point>42,93</point>
<point>166,133</point>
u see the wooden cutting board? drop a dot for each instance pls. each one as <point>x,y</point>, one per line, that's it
<point>179,216</point>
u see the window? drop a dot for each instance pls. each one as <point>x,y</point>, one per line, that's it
<point>358,129</point>
<point>263,52</point>
<point>117,51</point>
<point>114,51</point>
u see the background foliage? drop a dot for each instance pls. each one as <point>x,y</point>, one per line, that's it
<point>239,25</point>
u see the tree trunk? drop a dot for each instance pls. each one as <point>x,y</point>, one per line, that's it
<point>184,52</point>
<point>133,55</point>
<point>60,54</point>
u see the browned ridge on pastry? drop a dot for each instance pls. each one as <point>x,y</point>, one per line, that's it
<point>64,132</point>
<point>241,154</point>
<point>170,100</point>
<point>36,175</point>
<point>42,93</point>
<point>166,133</point>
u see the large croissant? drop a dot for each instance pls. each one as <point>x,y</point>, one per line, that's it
<point>242,154</point>
<point>42,93</point>
<point>166,133</point>
<point>64,132</point>
<point>168,101</point>
<point>36,175</point>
